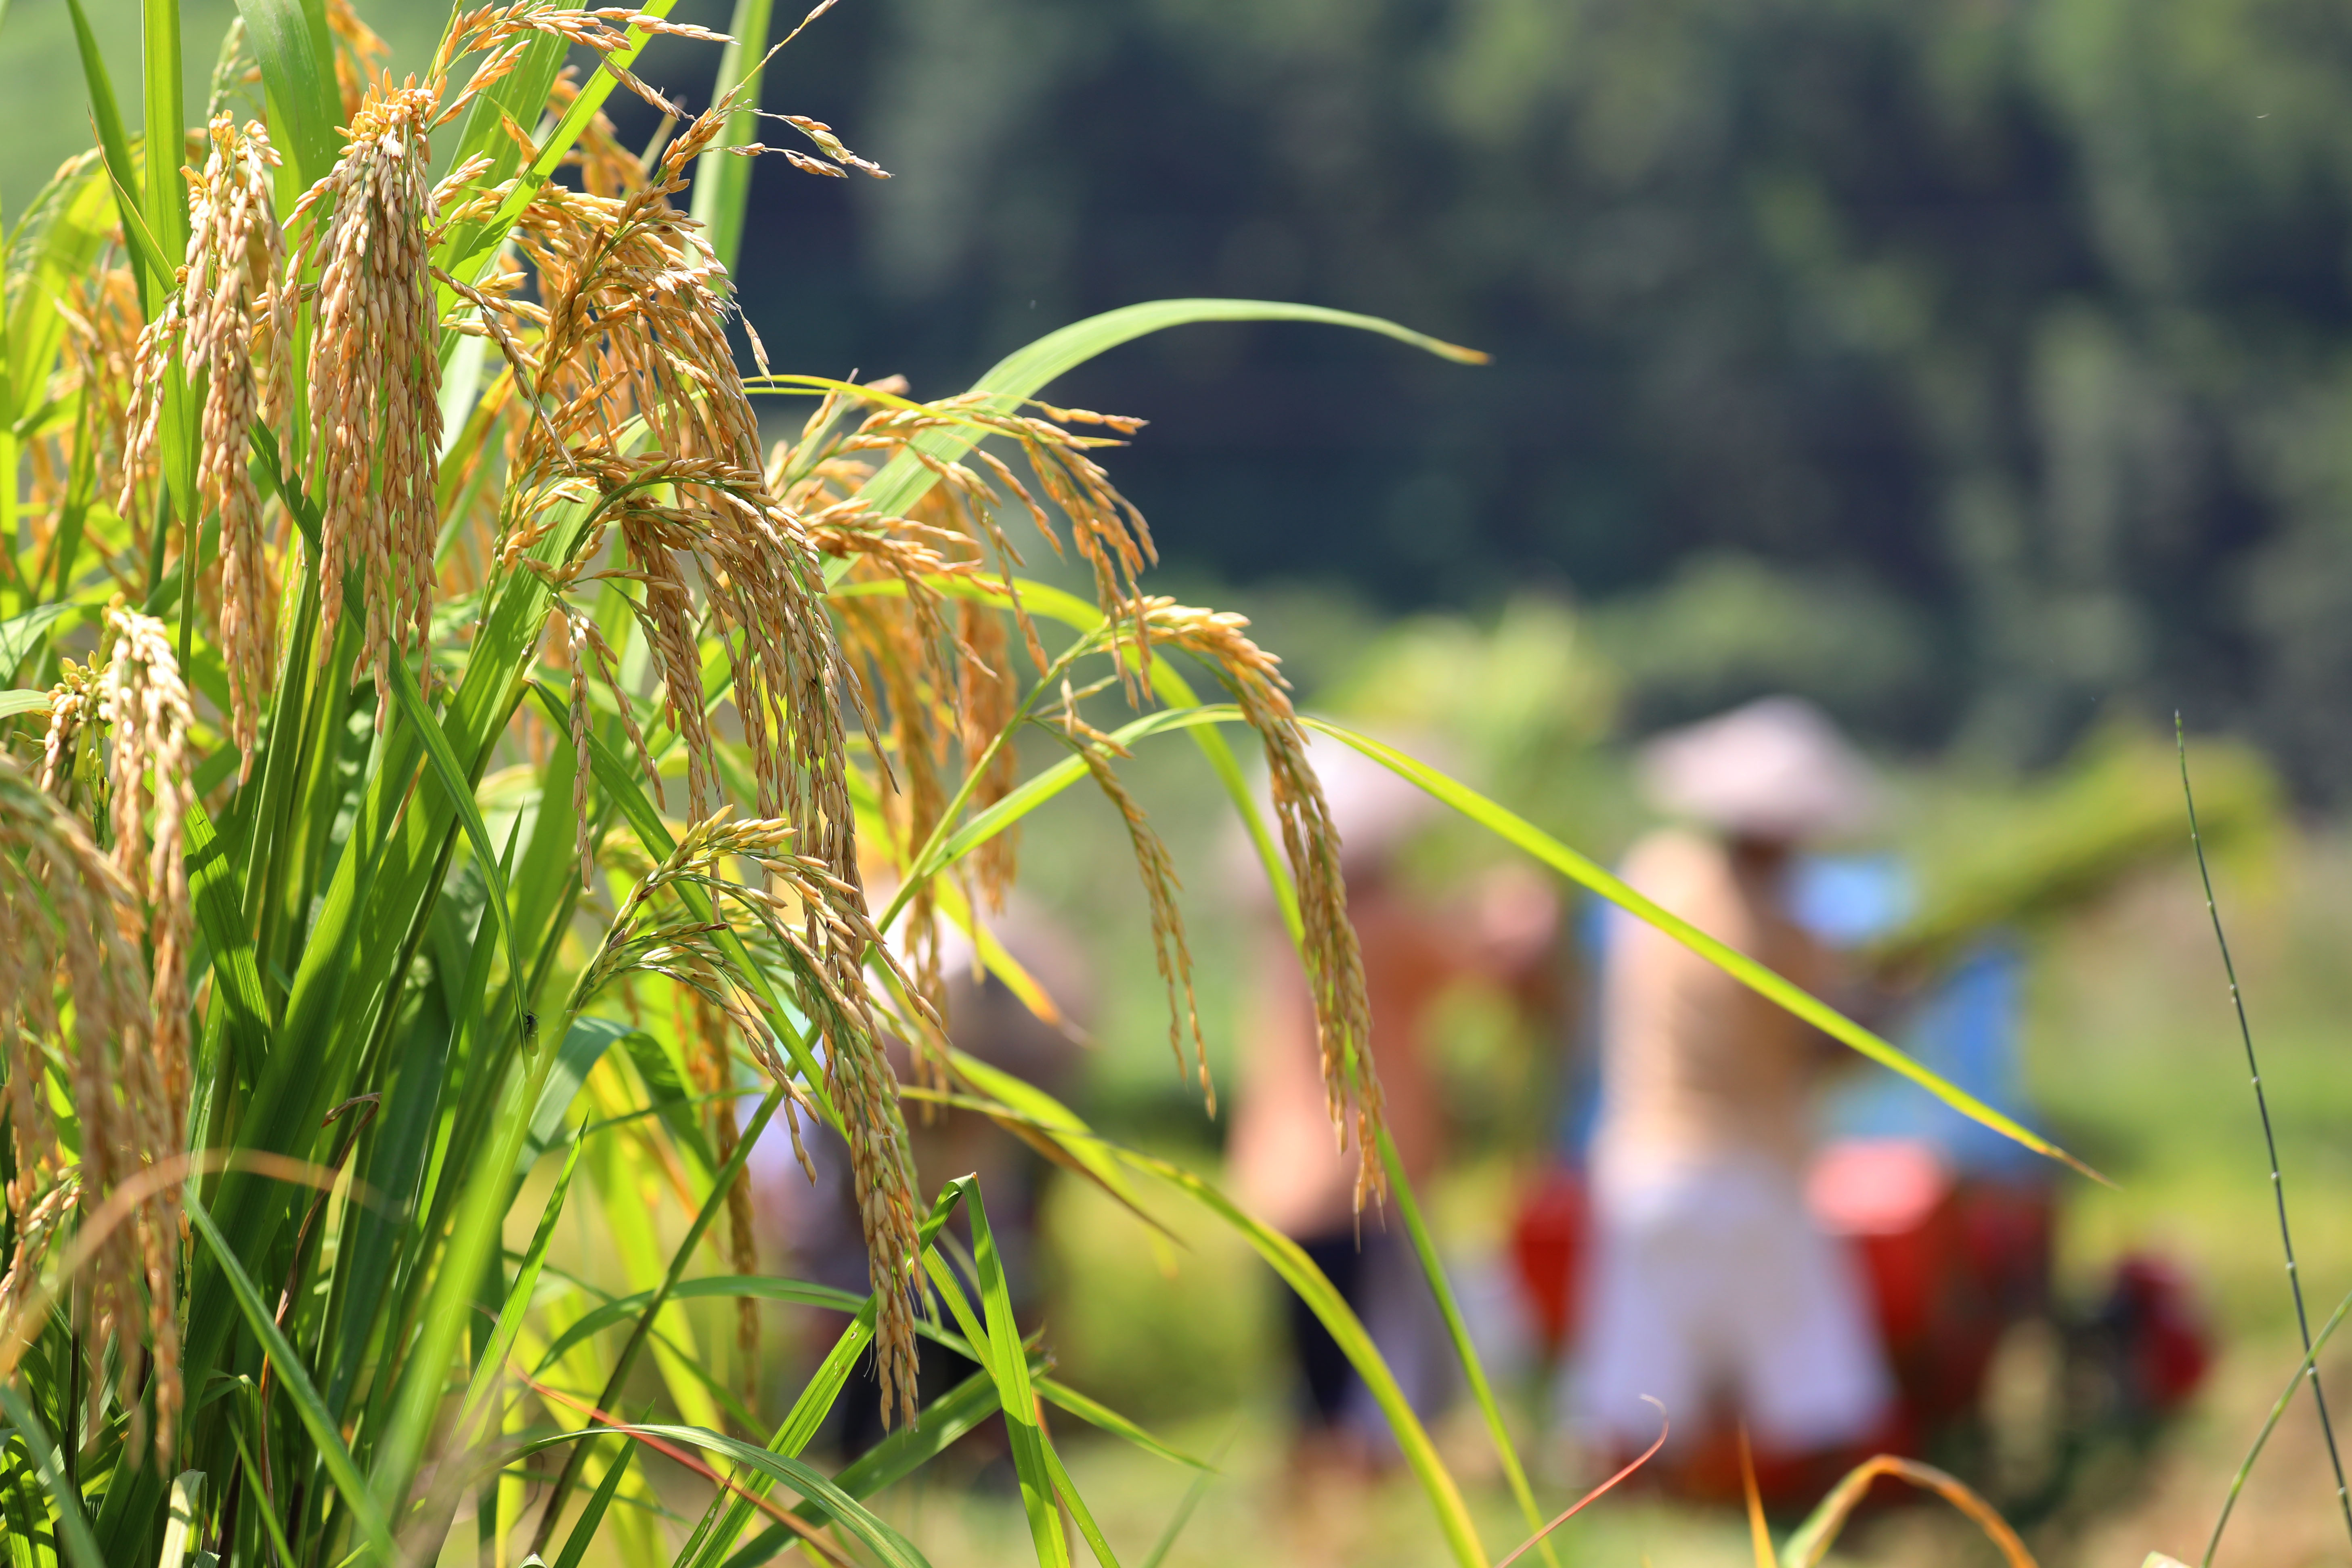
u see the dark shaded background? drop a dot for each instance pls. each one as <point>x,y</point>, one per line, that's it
<point>1979,366</point>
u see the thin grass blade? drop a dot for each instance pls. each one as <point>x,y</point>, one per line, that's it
<point>332,1455</point>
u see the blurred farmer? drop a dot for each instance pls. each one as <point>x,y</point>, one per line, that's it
<point>985,1019</point>
<point>1285,1159</point>
<point>1712,1290</point>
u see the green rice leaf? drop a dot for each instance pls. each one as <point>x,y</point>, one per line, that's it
<point>167,121</point>
<point>1095,1412</point>
<point>894,1550</point>
<point>1298,1271</point>
<point>79,1547</point>
<point>1007,1361</point>
<point>583,1530</point>
<point>291,39</point>
<point>491,1364</point>
<point>723,182</point>
<point>114,148</point>
<point>1517,830</point>
<point>460,789</point>
<point>187,1494</point>
<point>1026,372</point>
<point>336,1458</point>
<point>585,1045</point>
<point>1473,1371</point>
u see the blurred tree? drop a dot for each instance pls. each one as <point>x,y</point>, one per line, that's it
<point>2012,338</point>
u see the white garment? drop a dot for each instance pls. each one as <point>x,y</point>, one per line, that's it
<point>1712,1280</point>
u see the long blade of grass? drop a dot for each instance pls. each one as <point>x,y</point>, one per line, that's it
<point>585,1045</point>
<point>626,1360</point>
<point>896,1457</point>
<point>723,182</point>
<point>1517,830</point>
<point>114,147</point>
<point>1067,1490</point>
<point>583,1530</point>
<point>79,1545</point>
<point>998,1337</point>
<point>1474,1370</point>
<point>167,206</point>
<point>2262,1107</point>
<point>2278,1408</point>
<point>1184,1509</point>
<point>336,1458</point>
<point>290,40</point>
<point>187,1496</point>
<point>491,1365</point>
<point>460,789</point>
<point>893,1549</point>
<point>1025,371</point>
<point>1298,1271</point>
<point>1093,1412</point>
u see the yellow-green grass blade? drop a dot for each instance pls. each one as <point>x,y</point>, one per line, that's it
<point>290,40</point>
<point>892,1549</point>
<point>722,180</point>
<point>1517,831</point>
<point>332,1455</point>
<point>583,1531</point>
<point>895,1457</point>
<point>1024,373</point>
<point>1038,789</point>
<point>56,244</point>
<point>1050,1119</point>
<point>187,1497</point>
<point>489,1370</point>
<point>1067,1490</point>
<point>1474,1370</point>
<point>999,1338</point>
<point>213,889</point>
<point>1298,1271</point>
<point>460,789</point>
<point>2278,1408</point>
<point>167,120</point>
<point>270,1527</point>
<point>68,1522</point>
<point>1095,1412</point>
<point>114,148</point>
<point>626,1360</point>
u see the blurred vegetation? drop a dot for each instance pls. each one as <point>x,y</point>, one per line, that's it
<point>2016,331</point>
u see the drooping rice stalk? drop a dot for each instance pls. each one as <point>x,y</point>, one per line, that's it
<point>385,504</point>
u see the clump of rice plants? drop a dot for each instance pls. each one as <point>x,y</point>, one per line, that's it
<point>345,498</point>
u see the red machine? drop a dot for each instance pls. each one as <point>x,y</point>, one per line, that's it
<point>1952,1263</point>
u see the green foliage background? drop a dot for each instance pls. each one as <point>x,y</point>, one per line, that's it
<point>2018,326</point>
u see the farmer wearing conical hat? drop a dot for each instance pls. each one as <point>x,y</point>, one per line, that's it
<point>1711,1290</point>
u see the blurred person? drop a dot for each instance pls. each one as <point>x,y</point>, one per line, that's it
<point>818,1224</point>
<point>1711,1288</point>
<point>1283,1155</point>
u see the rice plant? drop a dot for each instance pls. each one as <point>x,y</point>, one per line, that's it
<point>383,468</point>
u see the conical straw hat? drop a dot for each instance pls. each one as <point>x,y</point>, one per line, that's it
<point>1777,768</point>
